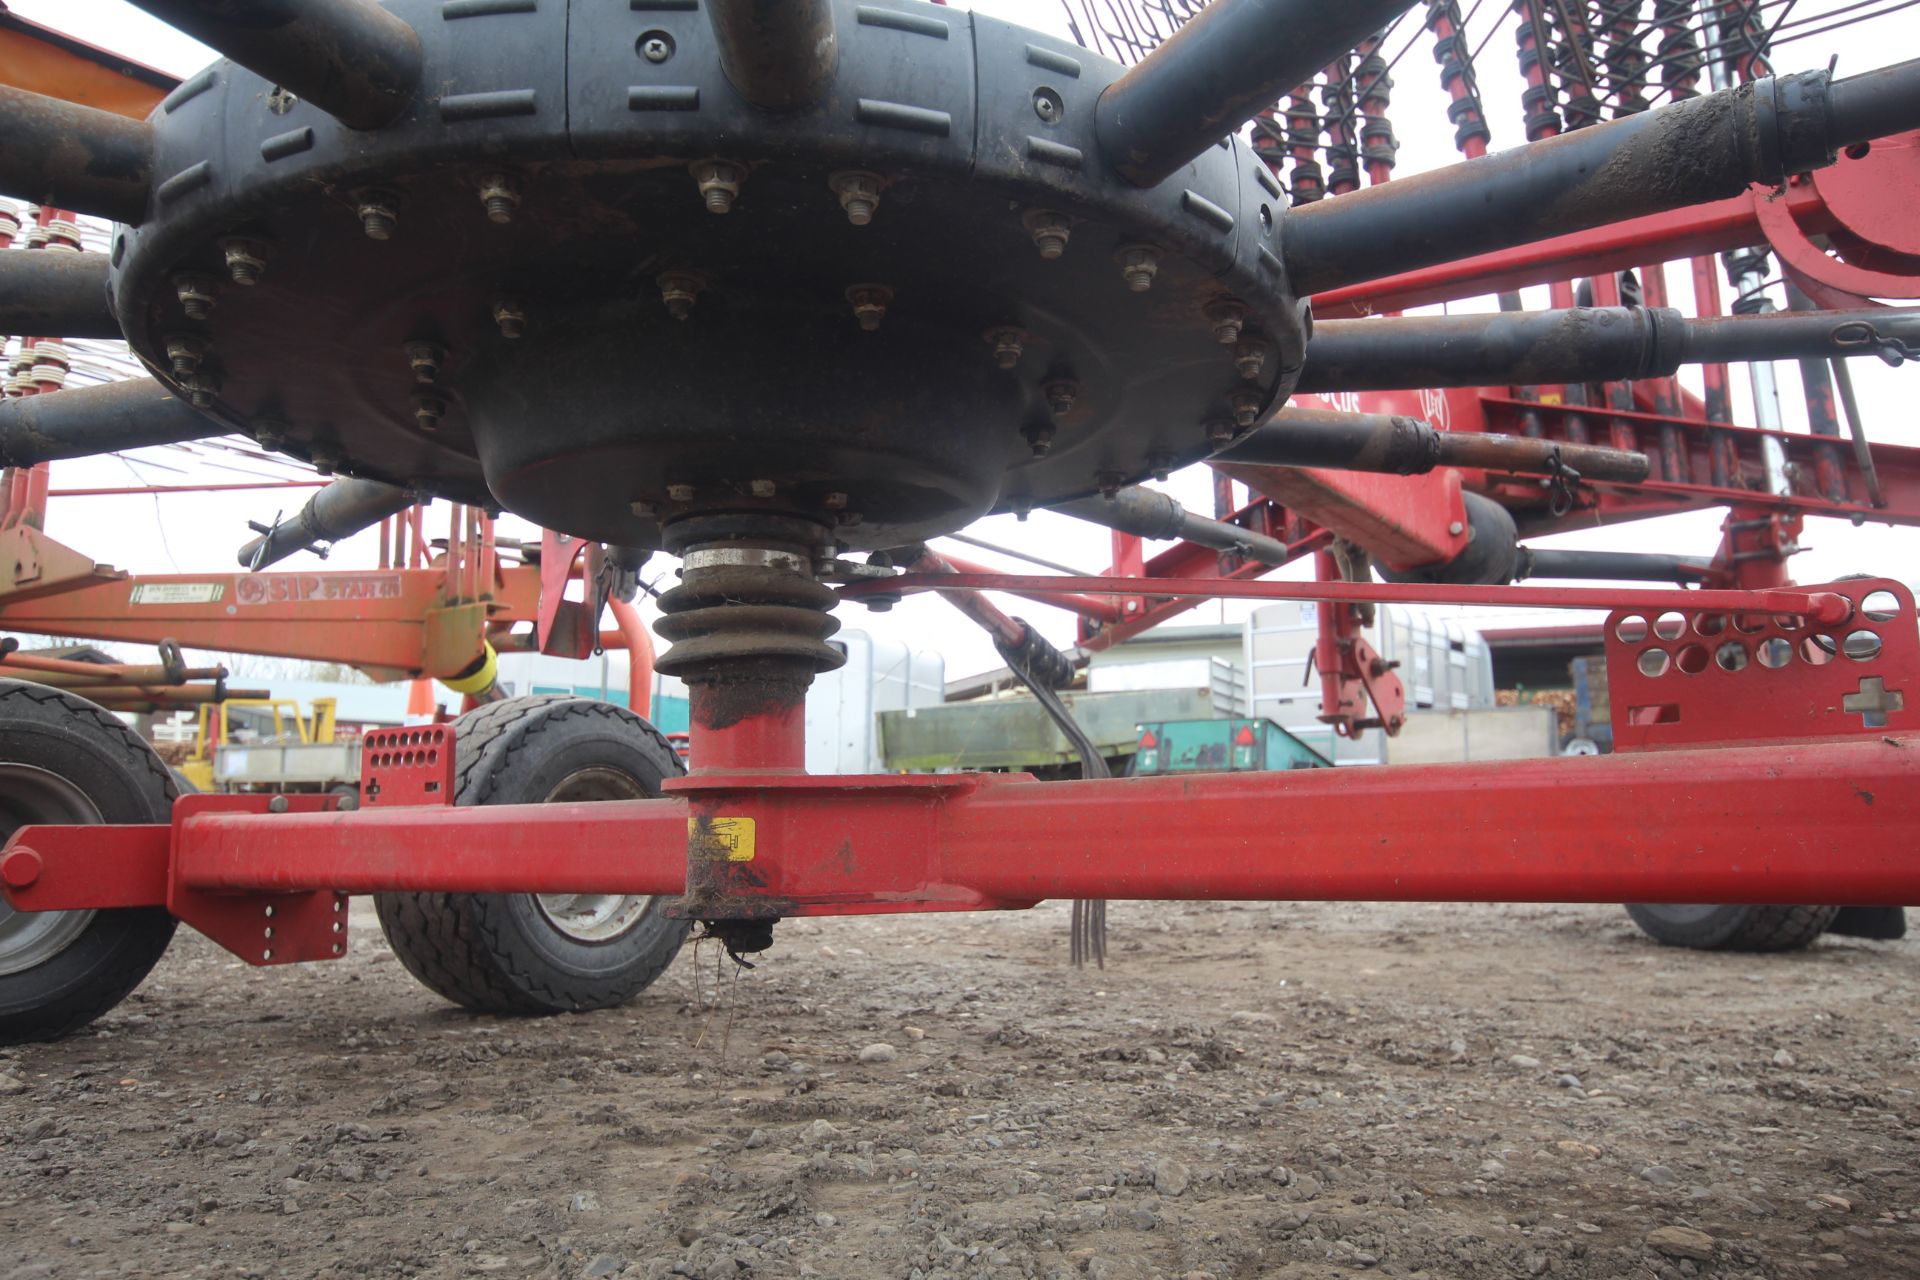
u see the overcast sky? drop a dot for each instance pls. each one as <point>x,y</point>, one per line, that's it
<point>182,534</point>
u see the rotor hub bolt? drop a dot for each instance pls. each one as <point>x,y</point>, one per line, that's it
<point>1008,346</point>
<point>500,196</point>
<point>428,410</point>
<point>847,519</point>
<point>1245,406</point>
<point>869,304</point>
<point>1160,465</point>
<point>246,258</point>
<point>201,388</point>
<point>1250,357</point>
<point>510,316</point>
<point>269,433</point>
<point>1049,230</point>
<point>1227,316</point>
<point>1455,528</point>
<point>185,351</point>
<point>1022,509</point>
<point>1219,433</point>
<point>679,493</point>
<point>678,289</point>
<point>195,291</point>
<point>1139,263</point>
<point>761,488</point>
<point>425,359</point>
<point>719,182</point>
<point>642,508</point>
<point>1062,394</point>
<point>836,502</point>
<point>1109,482</point>
<point>859,193</point>
<point>1039,439</point>
<point>379,211</point>
<point>325,460</point>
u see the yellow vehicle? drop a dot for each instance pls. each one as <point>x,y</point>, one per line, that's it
<point>234,742</point>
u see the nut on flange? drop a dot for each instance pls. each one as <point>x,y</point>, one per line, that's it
<point>1250,356</point>
<point>859,192</point>
<point>425,359</point>
<point>1050,231</point>
<point>1062,394</point>
<point>185,351</point>
<point>379,211</point>
<point>246,258</point>
<point>869,304</point>
<point>1139,263</point>
<point>1245,406</point>
<point>499,196</point>
<point>719,182</point>
<point>1008,345</point>
<point>195,290</point>
<point>1226,315</point>
<point>428,409</point>
<point>678,290</point>
<point>510,316</point>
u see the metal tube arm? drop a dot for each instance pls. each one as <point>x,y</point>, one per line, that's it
<point>74,157</point>
<point>90,420</point>
<point>1146,513</point>
<point>350,58</point>
<point>1232,59</point>
<point>1581,344</point>
<point>338,511</point>
<point>57,294</point>
<point>1690,152</point>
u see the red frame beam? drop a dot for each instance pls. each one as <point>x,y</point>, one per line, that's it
<point>1823,821</point>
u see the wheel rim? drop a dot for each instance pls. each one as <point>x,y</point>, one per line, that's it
<point>1679,913</point>
<point>593,917</point>
<point>28,796</point>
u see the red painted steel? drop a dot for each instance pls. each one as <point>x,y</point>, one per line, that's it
<point>261,926</point>
<point>1810,822</point>
<point>1818,603</point>
<point>1690,678</point>
<point>408,766</point>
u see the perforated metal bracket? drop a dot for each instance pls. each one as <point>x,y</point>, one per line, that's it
<point>412,765</point>
<point>1681,679</point>
<point>260,927</point>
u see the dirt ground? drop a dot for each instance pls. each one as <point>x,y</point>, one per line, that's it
<point>1247,1090</point>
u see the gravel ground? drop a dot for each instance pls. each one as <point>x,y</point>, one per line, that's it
<point>1248,1090</point>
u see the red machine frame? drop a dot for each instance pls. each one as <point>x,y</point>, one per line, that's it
<point>1747,780</point>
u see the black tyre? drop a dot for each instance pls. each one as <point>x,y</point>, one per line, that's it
<point>1730,928</point>
<point>548,953</point>
<point>65,760</point>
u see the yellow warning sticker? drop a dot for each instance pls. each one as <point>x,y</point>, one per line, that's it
<point>720,839</point>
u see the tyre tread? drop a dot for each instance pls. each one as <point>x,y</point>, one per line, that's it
<point>445,939</point>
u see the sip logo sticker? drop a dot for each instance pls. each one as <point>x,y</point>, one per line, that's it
<point>720,839</point>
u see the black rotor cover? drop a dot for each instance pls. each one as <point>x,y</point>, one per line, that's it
<point>607,413</point>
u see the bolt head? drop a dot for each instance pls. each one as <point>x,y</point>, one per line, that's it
<point>656,49</point>
<point>1139,263</point>
<point>761,488</point>
<point>1245,406</point>
<point>1456,528</point>
<point>1008,346</point>
<point>1062,394</point>
<point>379,211</point>
<point>511,318</point>
<point>196,294</point>
<point>836,501</point>
<point>645,510</point>
<point>428,410</point>
<point>678,290</point>
<point>499,196</point>
<point>1227,315</point>
<point>1159,465</point>
<point>869,304</point>
<point>1250,357</point>
<point>246,257</point>
<point>1109,483</point>
<point>1040,440</point>
<point>680,493</point>
<point>1219,433</point>
<point>425,359</point>
<point>859,193</point>
<point>1050,231</point>
<point>719,182</point>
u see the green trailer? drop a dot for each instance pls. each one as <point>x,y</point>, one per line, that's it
<point>1220,746</point>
